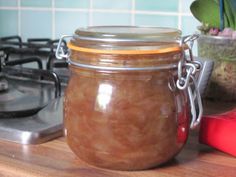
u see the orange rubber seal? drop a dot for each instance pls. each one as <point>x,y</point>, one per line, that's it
<point>126,52</point>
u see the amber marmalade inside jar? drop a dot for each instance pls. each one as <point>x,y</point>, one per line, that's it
<point>122,109</point>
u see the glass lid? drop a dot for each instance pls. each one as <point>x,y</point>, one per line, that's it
<point>128,34</point>
<point>125,39</point>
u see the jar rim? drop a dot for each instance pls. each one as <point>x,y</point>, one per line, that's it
<point>126,39</point>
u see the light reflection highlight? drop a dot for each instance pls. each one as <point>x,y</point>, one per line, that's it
<point>103,96</point>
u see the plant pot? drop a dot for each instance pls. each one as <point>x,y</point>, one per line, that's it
<point>222,50</point>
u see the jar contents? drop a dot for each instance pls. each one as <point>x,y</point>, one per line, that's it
<point>127,121</point>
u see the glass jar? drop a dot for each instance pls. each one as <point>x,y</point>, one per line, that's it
<point>122,107</point>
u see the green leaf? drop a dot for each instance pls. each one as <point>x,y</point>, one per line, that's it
<point>207,12</point>
<point>230,12</point>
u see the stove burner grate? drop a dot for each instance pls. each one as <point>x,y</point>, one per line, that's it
<point>31,95</point>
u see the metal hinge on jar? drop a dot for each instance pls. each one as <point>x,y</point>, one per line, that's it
<point>186,80</point>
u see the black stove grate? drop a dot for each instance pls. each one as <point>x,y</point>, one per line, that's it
<point>14,54</point>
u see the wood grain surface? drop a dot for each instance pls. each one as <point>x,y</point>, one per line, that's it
<point>54,158</point>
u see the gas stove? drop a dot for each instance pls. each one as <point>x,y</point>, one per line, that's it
<point>32,84</point>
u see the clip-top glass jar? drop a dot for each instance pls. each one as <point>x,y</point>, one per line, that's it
<point>122,108</point>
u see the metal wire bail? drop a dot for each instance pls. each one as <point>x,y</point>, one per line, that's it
<point>60,53</point>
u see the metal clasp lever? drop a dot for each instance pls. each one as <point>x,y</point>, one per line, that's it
<point>60,52</point>
<point>195,100</point>
<point>188,82</point>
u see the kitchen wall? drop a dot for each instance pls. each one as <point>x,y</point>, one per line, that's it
<point>52,18</point>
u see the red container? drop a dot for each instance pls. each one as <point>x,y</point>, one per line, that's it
<point>219,131</point>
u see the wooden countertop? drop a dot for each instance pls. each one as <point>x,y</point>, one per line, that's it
<point>54,158</point>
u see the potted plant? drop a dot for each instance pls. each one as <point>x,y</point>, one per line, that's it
<point>218,42</point>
